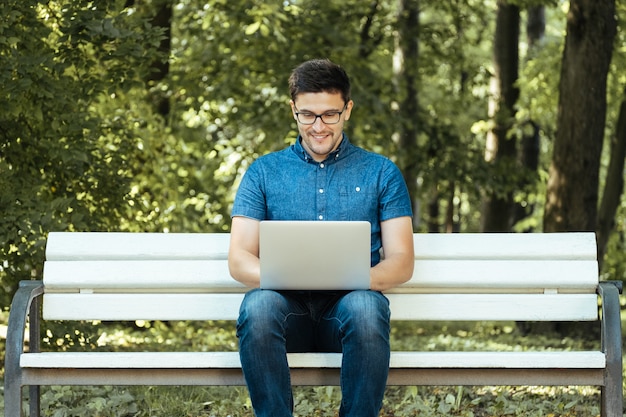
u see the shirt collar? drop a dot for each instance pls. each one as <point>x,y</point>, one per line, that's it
<point>341,151</point>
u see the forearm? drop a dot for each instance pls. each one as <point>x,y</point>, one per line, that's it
<point>392,271</point>
<point>399,259</point>
<point>245,268</point>
<point>243,254</point>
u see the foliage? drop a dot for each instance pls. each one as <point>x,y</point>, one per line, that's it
<point>94,401</point>
<point>615,261</point>
<point>59,161</point>
<point>84,148</point>
<point>321,401</point>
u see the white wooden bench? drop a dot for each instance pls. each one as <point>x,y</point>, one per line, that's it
<point>150,276</point>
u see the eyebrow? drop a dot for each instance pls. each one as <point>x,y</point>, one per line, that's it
<point>324,112</point>
<point>302,110</point>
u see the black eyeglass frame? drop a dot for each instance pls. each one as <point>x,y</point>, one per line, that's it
<point>320,116</point>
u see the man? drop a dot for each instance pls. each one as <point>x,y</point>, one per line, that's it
<point>320,177</point>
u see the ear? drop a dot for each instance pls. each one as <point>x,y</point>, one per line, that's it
<point>348,110</point>
<point>293,109</point>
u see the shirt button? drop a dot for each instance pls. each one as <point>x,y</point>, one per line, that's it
<point>358,189</point>
<point>321,191</point>
<point>320,217</point>
<point>322,165</point>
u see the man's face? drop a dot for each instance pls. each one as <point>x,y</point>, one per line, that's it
<point>320,139</point>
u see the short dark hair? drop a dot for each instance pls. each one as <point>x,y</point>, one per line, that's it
<point>319,76</point>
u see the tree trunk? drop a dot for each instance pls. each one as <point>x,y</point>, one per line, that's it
<point>452,224</point>
<point>406,74</point>
<point>614,184</point>
<point>530,143</point>
<point>501,149</point>
<point>368,42</point>
<point>433,211</point>
<point>162,14</point>
<point>535,26</point>
<point>572,193</point>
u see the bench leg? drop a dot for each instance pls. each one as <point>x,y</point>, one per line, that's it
<point>34,391</point>
<point>34,401</point>
<point>611,402</point>
<point>12,399</point>
<point>22,305</point>
<point>612,397</point>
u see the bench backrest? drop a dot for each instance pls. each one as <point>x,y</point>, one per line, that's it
<point>184,276</point>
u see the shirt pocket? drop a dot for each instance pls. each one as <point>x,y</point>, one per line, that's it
<point>357,203</point>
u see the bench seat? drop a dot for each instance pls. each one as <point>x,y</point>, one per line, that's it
<point>458,277</point>
<point>218,360</point>
<point>224,368</point>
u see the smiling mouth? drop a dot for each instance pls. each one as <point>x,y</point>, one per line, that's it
<point>319,137</point>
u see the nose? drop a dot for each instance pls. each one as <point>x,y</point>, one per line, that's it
<point>318,124</point>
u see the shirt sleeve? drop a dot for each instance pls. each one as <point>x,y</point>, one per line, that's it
<point>250,198</point>
<point>395,200</point>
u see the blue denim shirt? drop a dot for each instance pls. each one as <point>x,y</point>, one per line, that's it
<point>351,184</point>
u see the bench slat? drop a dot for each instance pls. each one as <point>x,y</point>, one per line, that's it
<point>194,360</point>
<point>122,245</point>
<point>496,307</point>
<point>213,275</point>
<point>476,275</point>
<point>536,307</point>
<point>575,245</point>
<point>156,275</point>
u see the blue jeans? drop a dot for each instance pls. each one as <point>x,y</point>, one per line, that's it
<point>272,323</point>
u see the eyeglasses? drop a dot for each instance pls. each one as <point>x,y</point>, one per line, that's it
<point>329,117</point>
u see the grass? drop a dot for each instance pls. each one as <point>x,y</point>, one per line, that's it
<point>320,401</point>
<point>432,401</point>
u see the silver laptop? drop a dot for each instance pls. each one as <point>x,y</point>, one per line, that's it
<point>315,255</point>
